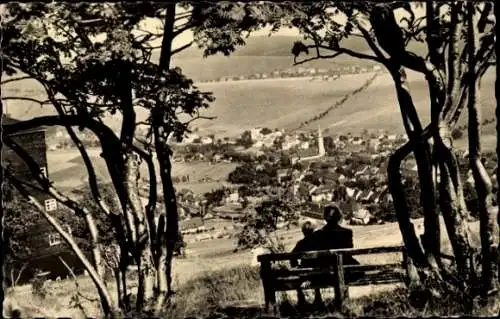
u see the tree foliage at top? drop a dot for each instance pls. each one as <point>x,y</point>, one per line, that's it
<point>80,53</point>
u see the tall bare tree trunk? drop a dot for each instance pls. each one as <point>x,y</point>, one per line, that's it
<point>454,216</point>
<point>497,112</point>
<point>142,246</point>
<point>171,231</point>
<point>390,38</point>
<point>139,237</point>
<point>167,236</point>
<point>94,233</point>
<point>2,247</point>
<point>421,149</point>
<point>443,97</point>
<point>482,181</point>
<point>402,210</point>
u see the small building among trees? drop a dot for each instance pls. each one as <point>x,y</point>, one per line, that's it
<point>33,244</point>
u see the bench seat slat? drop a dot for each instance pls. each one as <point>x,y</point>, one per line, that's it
<point>328,281</point>
<point>347,269</point>
<point>320,275</point>
<point>326,274</point>
<point>377,280</point>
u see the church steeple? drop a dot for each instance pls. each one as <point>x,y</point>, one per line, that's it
<point>321,143</point>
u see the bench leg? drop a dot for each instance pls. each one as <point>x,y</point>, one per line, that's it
<point>301,299</point>
<point>318,300</point>
<point>346,292</point>
<point>270,297</point>
<point>340,286</point>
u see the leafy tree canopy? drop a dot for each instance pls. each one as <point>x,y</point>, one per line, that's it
<point>80,54</point>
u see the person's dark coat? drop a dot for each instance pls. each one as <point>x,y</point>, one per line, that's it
<point>305,244</point>
<point>332,237</point>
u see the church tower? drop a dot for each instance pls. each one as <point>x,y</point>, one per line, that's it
<point>321,143</point>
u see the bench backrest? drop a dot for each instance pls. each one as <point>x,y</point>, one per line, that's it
<point>269,258</point>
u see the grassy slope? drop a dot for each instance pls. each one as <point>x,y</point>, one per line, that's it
<point>286,103</point>
<point>67,170</point>
<point>206,284</point>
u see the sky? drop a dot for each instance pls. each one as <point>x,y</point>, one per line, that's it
<point>187,36</point>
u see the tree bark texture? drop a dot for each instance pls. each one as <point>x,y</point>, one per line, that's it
<point>135,213</point>
<point>171,231</point>
<point>497,112</point>
<point>390,38</point>
<point>421,150</point>
<point>167,234</point>
<point>482,181</point>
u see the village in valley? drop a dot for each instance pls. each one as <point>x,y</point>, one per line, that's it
<point>305,169</point>
<point>300,169</point>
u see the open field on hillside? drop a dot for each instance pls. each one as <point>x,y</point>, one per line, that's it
<point>68,171</point>
<point>285,103</point>
<point>217,172</point>
<point>272,103</point>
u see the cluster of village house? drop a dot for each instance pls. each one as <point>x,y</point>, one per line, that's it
<point>352,172</point>
<point>342,179</point>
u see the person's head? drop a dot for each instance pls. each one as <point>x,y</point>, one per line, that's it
<point>332,214</point>
<point>307,228</point>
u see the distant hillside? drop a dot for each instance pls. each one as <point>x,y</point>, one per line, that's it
<point>255,46</point>
<point>282,46</point>
<point>285,103</point>
<point>264,54</point>
<point>261,54</point>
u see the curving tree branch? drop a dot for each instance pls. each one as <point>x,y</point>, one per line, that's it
<point>106,301</point>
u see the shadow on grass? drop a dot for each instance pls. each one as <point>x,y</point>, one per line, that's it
<point>382,305</point>
<point>237,293</point>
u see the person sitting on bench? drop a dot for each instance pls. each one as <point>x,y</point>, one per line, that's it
<point>334,236</point>
<point>305,244</point>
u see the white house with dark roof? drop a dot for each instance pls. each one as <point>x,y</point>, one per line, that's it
<point>321,194</point>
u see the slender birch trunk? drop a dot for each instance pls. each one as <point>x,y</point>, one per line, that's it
<point>482,182</point>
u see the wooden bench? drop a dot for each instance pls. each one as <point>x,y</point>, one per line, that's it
<point>277,276</point>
